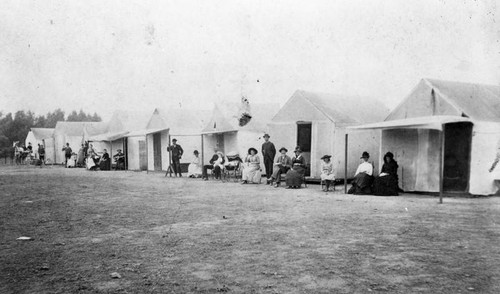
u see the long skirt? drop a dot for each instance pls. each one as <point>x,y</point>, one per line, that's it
<point>325,177</point>
<point>194,170</point>
<point>251,174</point>
<point>90,163</point>
<point>361,184</point>
<point>105,165</point>
<point>81,158</point>
<point>295,176</point>
<point>386,186</point>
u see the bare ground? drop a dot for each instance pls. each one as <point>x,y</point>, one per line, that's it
<point>169,235</point>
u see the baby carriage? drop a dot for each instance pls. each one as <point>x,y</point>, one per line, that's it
<point>72,160</point>
<point>232,168</point>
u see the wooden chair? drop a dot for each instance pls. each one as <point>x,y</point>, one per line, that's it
<point>323,183</point>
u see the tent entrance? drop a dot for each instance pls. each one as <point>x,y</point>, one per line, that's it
<point>219,142</point>
<point>457,148</point>
<point>157,151</point>
<point>304,136</point>
<point>143,155</point>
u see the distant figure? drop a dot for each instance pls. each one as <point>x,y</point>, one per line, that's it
<point>281,166</point>
<point>67,153</point>
<point>363,178</point>
<point>195,168</point>
<point>105,163</point>
<point>41,154</point>
<point>268,152</point>
<point>119,158</point>
<point>176,151</point>
<point>327,171</point>
<point>81,156</point>
<point>295,176</point>
<point>29,148</point>
<point>85,148</point>
<point>216,163</point>
<point>251,171</point>
<point>386,184</point>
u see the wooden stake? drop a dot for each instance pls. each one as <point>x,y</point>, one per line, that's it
<point>345,163</point>
<point>441,165</point>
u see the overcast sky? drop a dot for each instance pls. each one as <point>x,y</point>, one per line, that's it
<point>102,55</point>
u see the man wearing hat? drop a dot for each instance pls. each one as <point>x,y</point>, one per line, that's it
<point>176,154</point>
<point>268,152</point>
<point>363,180</point>
<point>281,166</point>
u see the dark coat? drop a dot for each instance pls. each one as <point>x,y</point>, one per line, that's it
<point>268,150</point>
<point>176,150</point>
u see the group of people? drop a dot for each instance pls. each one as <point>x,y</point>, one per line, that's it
<point>386,184</point>
<point>88,157</point>
<point>23,153</point>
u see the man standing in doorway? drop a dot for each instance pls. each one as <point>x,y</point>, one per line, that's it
<point>176,156</point>
<point>268,151</point>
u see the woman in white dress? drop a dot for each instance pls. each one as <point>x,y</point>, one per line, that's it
<point>194,168</point>
<point>251,171</point>
<point>327,171</point>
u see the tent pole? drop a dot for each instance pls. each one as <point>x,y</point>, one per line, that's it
<point>202,157</point>
<point>147,155</point>
<point>345,163</point>
<point>441,165</point>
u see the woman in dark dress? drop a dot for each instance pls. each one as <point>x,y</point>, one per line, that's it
<point>295,176</point>
<point>386,184</point>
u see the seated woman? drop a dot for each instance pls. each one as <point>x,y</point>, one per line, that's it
<point>363,178</point>
<point>327,171</point>
<point>194,168</point>
<point>251,170</point>
<point>281,166</point>
<point>216,163</point>
<point>119,158</point>
<point>105,162</point>
<point>295,176</point>
<point>386,184</point>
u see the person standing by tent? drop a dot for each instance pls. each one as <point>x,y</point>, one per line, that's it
<point>176,155</point>
<point>41,154</point>
<point>67,153</point>
<point>268,152</point>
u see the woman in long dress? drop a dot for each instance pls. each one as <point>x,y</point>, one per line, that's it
<point>194,168</point>
<point>295,176</point>
<point>81,156</point>
<point>386,184</point>
<point>251,171</point>
<point>327,171</point>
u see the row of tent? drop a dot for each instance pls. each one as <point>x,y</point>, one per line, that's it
<point>438,118</point>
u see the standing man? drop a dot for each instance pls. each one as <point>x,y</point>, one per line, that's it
<point>176,156</point>
<point>268,152</point>
<point>41,154</point>
<point>67,154</point>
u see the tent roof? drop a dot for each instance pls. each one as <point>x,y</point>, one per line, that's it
<point>225,117</point>
<point>477,101</point>
<point>344,108</point>
<point>128,120</point>
<point>80,128</point>
<point>182,121</point>
<point>42,133</point>
<point>425,122</point>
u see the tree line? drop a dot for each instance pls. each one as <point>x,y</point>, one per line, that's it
<point>15,127</point>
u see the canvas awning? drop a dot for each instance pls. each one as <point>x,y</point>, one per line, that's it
<point>108,136</point>
<point>145,132</point>
<point>425,122</point>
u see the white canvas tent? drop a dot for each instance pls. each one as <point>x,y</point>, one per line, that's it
<point>223,132</point>
<point>317,123</point>
<point>74,133</point>
<point>44,136</point>
<point>121,124</point>
<point>167,124</point>
<point>440,120</point>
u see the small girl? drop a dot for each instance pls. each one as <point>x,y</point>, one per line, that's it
<point>327,171</point>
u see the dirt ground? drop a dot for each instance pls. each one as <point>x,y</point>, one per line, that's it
<point>170,235</point>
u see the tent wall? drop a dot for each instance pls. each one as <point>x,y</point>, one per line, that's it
<point>133,152</point>
<point>60,141</point>
<point>189,144</point>
<point>485,141</point>
<point>50,151</point>
<point>31,138</point>
<point>417,153</point>
<point>150,151</point>
<point>358,143</point>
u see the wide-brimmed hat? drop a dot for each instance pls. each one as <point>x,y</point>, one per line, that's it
<point>251,148</point>
<point>365,155</point>
<point>297,149</point>
<point>283,148</point>
<point>389,154</point>
<point>174,140</point>
<point>326,156</point>
<point>196,152</point>
<point>267,135</point>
